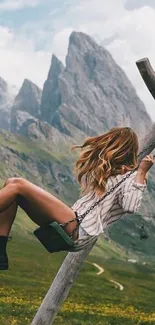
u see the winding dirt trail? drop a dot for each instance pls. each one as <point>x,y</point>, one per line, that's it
<point>118,284</point>
<point>101,270</point>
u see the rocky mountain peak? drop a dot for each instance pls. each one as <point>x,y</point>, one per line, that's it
<point>56,68</point>
<point>81,41</point>
<point>51,98</point>
<point>90,95</point>
<point>93,63</point>
<point>27,100</point>
<point>29,88</point>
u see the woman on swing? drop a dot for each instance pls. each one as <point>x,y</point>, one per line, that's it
<point>102,163</point>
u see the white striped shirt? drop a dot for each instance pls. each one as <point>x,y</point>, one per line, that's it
<point>126,198</point>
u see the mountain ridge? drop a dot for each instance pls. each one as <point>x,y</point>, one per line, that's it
<point>90,94</point>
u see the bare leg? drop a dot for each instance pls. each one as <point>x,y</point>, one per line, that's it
<point>6,221</point>
<point>41,206</point>
<point>7,217</point>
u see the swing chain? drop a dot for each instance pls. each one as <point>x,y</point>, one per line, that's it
<point>80,218</point>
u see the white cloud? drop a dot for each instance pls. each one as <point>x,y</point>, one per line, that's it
<point>132,4</point>
<point>17,4</point>
<point>135,41</point>
<point>19,60</point>
<point>5,36</point>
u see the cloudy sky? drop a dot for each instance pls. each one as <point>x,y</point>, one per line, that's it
<point>31,30</point>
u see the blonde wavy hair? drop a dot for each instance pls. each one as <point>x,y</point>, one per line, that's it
<point>103,156</point>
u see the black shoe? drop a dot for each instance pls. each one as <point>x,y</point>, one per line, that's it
<point>3,255</point>
<point>4,263</point>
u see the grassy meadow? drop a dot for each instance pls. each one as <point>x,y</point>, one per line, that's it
<point>93,299</point>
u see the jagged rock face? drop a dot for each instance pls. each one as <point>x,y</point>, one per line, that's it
<point>92,93</point>
<point>51,98</point>
<point>28,100</point>
<point>6,101</point>
<point>23,120</point>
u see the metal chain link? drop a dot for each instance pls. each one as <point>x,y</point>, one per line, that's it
<point>80,218</point>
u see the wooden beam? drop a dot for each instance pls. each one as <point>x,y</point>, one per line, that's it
<point>60,287</point>
<point>147,73</point>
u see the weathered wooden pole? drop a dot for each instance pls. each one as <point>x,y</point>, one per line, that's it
<point>147,74</point>
<point>60,287</point>
<point>73,261</point>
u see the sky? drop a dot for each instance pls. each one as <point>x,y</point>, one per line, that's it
<point>32,30</point>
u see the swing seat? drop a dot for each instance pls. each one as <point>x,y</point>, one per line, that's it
<point>54,238</point>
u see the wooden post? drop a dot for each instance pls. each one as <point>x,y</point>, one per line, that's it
<point>60,287</point>
<point>73,261</point>
<point>147,74</point>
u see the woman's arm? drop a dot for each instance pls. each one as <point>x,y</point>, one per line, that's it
<point>141,176</point>
<point>131,192</point>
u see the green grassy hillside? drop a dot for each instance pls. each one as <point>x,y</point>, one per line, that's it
<point>93,299</point>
